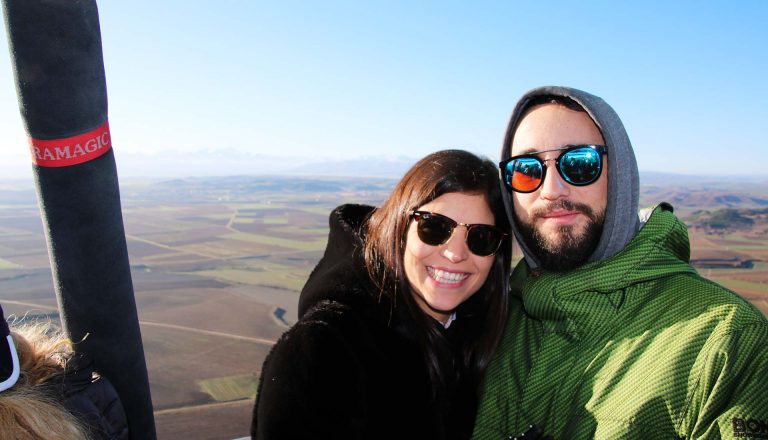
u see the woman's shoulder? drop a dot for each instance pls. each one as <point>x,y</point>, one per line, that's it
<point>333,332</point>
<point>327,322</point>
<point>334,373</point>
<point>328,342</point>
<point>350,216</point>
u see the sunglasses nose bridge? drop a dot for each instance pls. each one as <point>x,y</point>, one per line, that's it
<point>457,249</point>
<point>555,185</point>
<point>452,232</point>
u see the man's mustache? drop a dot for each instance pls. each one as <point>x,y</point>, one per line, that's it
<point>567,205</point>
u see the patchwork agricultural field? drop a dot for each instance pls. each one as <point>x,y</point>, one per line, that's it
<point>216,268</point>
<point>218,263</point>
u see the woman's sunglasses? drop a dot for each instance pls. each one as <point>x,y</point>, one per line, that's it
<point>436,229</point>
<point>578,165</point>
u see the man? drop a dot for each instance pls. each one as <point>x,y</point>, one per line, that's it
<point>611,334</point>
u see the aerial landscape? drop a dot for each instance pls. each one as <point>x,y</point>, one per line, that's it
<point>239,126</point>
<point>218,264</point>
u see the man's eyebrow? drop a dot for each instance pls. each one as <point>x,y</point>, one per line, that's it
<point>529,150</point>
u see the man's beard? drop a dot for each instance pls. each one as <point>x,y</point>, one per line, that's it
<point>568,250</point>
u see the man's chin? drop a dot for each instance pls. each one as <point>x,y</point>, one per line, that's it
<point>554,245</point>
<point>561,248</point>
<point>560,242</point>
<point>556,237</point>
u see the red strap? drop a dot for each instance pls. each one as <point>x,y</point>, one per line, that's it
<point>72,150</point>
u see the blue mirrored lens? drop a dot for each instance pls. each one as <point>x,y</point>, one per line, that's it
<point>580,166</point>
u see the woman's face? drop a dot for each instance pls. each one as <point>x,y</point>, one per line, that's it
<point>444,276</point>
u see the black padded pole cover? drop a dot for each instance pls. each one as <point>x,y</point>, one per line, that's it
<point>59,71</point>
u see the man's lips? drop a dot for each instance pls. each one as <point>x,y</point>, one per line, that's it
<point>560,216</point>
<point>560,213</point>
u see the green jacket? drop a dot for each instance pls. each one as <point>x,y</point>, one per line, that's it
<point>635,346</point>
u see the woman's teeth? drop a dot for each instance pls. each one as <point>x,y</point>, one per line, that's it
<point>442,276</point>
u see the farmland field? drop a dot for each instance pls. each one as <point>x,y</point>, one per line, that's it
<point>217,266</point>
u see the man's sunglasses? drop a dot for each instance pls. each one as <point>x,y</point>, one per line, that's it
<point>578,165</point>
<point>436,229</point>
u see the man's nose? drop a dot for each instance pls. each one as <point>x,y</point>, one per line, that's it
<point>554,186</point>
<point>456,249</point>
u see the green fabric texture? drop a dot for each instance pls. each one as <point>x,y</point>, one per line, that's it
<point>635,346</point>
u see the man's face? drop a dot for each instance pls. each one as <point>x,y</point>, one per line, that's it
<point>560,222</point>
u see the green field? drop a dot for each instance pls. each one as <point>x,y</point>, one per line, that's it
<point>227,389</point>
<point>741,285</point>
<point>301,245</point>
<point>263,273</point>
<point>5,264</point>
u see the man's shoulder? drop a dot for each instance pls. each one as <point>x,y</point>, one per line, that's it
<point>708,300</point>
<point>714,292</point>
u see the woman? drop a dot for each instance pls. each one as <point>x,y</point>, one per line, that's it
<point>54,393</point>
<point>401,315</point>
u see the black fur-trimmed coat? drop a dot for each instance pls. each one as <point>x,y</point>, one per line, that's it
<point>346,369</point>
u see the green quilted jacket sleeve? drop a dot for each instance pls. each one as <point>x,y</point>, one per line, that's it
<point>731,396</point>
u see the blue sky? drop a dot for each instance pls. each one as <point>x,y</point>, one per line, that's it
<point>342,79</point>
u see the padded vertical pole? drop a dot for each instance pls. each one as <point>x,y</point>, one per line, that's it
<point>57,59</point>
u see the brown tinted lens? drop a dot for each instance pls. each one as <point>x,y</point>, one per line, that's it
<point>434,230</point>
<point>484,240</point>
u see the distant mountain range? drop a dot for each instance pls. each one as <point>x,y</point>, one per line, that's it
<point>241,169</point>
<point>236,162</point>
<point>232,162</point>
<point>217,162</point>
<point>653,178</point>
<point>704,192</point>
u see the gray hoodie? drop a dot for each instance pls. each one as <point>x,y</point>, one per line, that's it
<point>621,219</point>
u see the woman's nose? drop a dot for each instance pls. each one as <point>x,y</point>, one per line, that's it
<point>455,250</point>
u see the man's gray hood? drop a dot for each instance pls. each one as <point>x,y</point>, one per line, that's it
<point>621,220</point>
